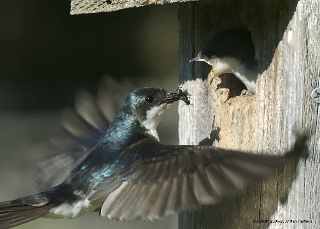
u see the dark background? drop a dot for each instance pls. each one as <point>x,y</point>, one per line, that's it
<point>47,55</point>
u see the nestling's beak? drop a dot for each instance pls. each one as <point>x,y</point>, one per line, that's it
<point>172,97</point>
<point>195,59</point>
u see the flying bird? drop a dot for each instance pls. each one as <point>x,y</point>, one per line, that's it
<point>232,51</point>
<point>128,174</point>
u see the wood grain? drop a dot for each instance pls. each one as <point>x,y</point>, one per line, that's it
<point>97,6</point>
<point>286,35</point>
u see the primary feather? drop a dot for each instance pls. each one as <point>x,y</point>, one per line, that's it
<point>126,173</point>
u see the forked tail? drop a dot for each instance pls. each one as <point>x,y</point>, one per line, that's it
<point>23,210</point>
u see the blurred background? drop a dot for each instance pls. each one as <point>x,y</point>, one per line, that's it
<point>47,56</point>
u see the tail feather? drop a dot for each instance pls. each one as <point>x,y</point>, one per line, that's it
<point>13,214</point>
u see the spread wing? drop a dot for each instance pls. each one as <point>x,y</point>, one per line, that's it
<point>82,129</point>
<point>163,179</point>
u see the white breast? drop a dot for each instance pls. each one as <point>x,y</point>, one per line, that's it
<point>153,118</point>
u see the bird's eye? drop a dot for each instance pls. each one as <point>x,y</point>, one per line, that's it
<point>149,99</point>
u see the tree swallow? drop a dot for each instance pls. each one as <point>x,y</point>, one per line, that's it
<point>232,51</point>
<point>129,174</point>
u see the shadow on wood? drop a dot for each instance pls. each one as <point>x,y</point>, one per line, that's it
<point>284,34</point>
<point>244,210</point>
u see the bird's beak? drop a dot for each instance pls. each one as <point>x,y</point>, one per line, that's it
<point>195,59</point>
<point>172,97</point>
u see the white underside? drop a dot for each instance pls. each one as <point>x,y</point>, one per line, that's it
<point>153,118</point>
<point>77,208</point>
<point>231,65</point>
<point>248,77</point>
<point>223,65</point>
<point>73,210</point>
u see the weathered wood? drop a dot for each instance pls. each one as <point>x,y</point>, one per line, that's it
<point>286,35</point>
<point>96,6</point>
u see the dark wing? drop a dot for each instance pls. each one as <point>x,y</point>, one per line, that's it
<point>82,129</point>
<point>162,179</point>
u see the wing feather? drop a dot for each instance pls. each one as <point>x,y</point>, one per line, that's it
<point>82,129</point>
<point>165,179</point>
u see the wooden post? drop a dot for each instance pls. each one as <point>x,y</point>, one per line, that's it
<point>286,35</point>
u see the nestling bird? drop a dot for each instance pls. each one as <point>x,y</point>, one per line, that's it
<point>232,51</point>
<point>129,174</point>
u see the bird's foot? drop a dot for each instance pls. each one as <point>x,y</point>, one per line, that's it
<point>212,75</point>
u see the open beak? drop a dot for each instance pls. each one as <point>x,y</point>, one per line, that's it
<point>180,95</point>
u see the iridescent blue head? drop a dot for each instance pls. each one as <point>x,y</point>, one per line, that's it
<point>147,105</point>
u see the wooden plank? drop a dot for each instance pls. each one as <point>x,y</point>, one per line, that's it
<point>287,41</point>
<point>97,6</point>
